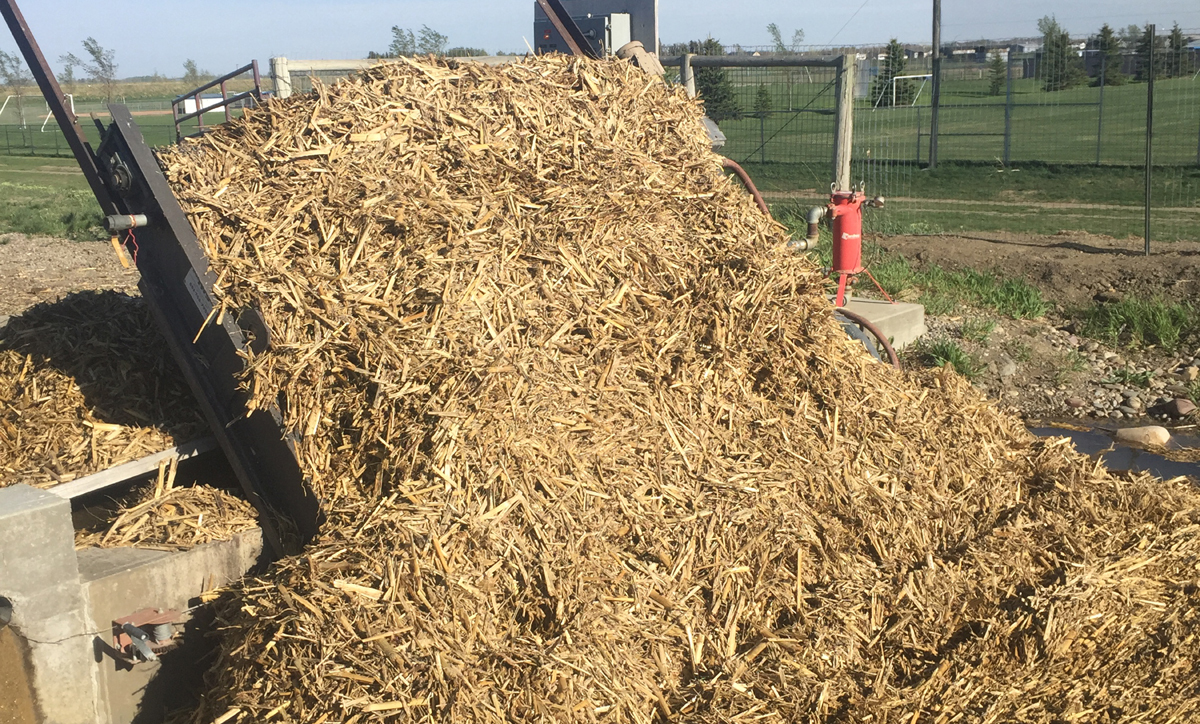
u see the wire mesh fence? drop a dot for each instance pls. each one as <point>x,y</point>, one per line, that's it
<point>1015,129</point>
<point>1076,130</point>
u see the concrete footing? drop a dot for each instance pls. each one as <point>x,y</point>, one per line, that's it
<point>64,603</point>
<point>902,322</point>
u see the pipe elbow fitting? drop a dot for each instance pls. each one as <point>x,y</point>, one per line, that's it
<point>815,214</point>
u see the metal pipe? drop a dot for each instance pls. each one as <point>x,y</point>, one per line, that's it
<point>815,214</point>
<point>749,61</point>
<point>745,177</point>
<point>1150,32</point>
<point>686,75</point>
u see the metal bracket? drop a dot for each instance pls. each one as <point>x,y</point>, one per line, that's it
<point>144,635</point>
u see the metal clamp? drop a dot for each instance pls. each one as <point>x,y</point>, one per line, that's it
<point>145,635</point>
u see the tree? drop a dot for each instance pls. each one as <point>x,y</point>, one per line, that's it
<point>1061,67</point>
<point>882,91</point>
<point>1145,43</point>
<point>15,78</point>
<point>712,84</point>
<point>780,46</point>
<point>461,52</point>
<point>192,75</point>
<point>403,43</point>
<point>1129,36</point>
<point>762,102</point>
<point>431,42</point>
<point>101,66</point>
<point>1177,58</point>
<point>1111,58</point>
<point>997,73</point>
<point>67,76</point>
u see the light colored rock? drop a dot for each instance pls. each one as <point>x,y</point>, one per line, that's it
<point>1191,374</point>
<point>1149,435</point>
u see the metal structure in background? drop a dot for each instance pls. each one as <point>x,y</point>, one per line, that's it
<point>226,103</point>
<point>642,19</point>
<point>209,342</point>
<point>567,30</point>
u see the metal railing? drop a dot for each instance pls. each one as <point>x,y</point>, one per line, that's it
<point>227,101</point>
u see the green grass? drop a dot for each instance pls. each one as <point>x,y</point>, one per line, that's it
<point>1127,376</point>
<point>1072,363</point>
<point>49,211</point>
<point>1046,127</point>
<point>1138,321</point>
<point>1019,351</point>
<point>941,290</point>
<point>978,330</point>
<point>942,352</point>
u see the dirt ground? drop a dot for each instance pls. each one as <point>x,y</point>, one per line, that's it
<point>1069,268</point>
<point>39,269</point>
<point>1042,368</point>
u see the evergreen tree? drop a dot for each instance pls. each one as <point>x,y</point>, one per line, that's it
<point>762,102</point>
<point>894,63</point>
<point>712,84</point>
<point>1145,43</point>
<point>1177,59</point>
<point>1060,67</point>
<point>997,73</point>
<point>1111,58</point>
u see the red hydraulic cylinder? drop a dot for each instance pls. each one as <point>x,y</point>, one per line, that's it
<point>845,209</point>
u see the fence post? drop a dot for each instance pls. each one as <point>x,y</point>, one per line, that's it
<point>1100,114</point>
<point>1149,128</point>
<point>1008,107</point>
<point>918,136</point>
<point>687,76</point>
<point>936,100</point>
<point>843,136</point>
<point>281,77</point>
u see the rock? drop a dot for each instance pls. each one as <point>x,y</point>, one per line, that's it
<point>3,320</point>
<point>1006,367</point>
<point>1091,346</point>
<point>1073,340</point>
<point>1076,402</point>
<point>1128,411</point>
<point>1176,390</point>
<point>1116,415</point>
<point>1135,403</point>
<point>1191,374</point>
<point>1109,297</point>
<point>1149,435</point>
<point>1177,408</point>
<point>1110,355</point>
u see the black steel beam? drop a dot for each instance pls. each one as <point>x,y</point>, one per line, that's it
<point>567,28</point>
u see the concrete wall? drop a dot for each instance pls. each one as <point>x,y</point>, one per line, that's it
<point>64,603</point>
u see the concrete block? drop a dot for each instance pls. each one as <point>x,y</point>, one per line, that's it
<point>40,576</point>
<point>903,323</point>
<point>120,581</point>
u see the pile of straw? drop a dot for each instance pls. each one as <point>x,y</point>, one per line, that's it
<point>593,448</point>
<point>169,518</point>
<point>86,384</point>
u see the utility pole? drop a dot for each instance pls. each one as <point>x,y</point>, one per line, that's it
<point>937,83</point>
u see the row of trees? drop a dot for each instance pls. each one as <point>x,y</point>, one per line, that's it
<point>425,41</point>
<point>1062,66</point>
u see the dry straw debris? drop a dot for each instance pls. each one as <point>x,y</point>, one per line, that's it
<point>593,448</point>
<point>87,384</point>
<point>170,518</point>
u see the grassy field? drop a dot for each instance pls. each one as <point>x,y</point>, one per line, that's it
<point>47,197</point>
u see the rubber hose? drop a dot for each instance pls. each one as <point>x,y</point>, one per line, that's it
<point>866,324</point>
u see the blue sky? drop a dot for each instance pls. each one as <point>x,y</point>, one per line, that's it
<point>222,34</point>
